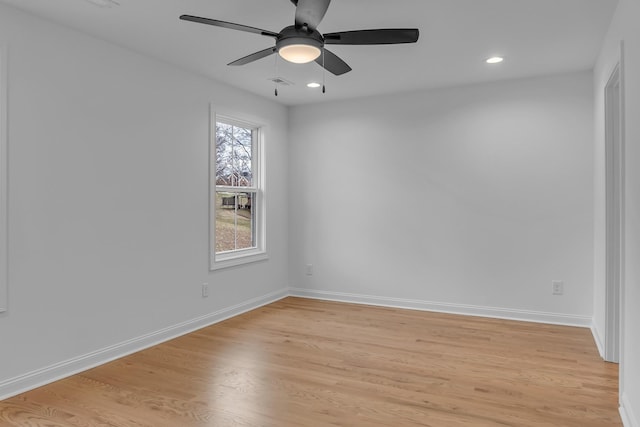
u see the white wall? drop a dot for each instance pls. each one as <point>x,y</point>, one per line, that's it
<point>108,200</point>
<point>623,27</point>
<point>469,199</point>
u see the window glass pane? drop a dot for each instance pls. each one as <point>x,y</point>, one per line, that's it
<point>234,145</point>
<point>235,221</point>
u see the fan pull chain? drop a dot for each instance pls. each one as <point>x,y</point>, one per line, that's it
<point>275,83</point>
<point>324,71</point>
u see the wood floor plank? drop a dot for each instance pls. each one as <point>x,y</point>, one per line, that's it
<point>301,362</point>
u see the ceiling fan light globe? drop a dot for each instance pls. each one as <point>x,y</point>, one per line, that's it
<point>299,53</point>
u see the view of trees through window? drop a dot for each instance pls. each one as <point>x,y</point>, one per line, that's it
<point>235,188</point>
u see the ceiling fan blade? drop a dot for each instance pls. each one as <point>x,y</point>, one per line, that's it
<point>254,56</point>
<point>310,12</point>
<point>229,25</point>
<point>381,36</point>
<point>333,63</point>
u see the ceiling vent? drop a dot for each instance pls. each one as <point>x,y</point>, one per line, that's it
<point>281,81</point>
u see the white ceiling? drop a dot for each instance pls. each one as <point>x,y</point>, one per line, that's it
<point>536,37</point>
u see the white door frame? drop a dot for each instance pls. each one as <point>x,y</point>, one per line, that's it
<point>614,184</point>
<point>3,178</point>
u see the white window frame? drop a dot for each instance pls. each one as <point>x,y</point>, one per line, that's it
<point>259,252</point>
<point>3,179</point>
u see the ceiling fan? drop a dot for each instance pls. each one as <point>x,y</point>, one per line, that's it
<point>302,42</point>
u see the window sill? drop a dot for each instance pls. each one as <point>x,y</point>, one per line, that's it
<point>221,261</point>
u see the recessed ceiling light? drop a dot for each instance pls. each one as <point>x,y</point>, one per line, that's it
<point>495,60</point>
<point>313,85</point>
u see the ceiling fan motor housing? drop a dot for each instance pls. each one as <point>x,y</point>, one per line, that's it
<point>295,36</point>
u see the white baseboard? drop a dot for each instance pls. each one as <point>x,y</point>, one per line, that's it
<point>598,340</point>
<point>629,418</point>
<point>49,374</point>
<point>463,309</point>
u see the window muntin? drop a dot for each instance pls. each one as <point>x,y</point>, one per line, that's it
<point>237,194</point>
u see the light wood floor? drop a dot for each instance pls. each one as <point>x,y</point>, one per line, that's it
<point>301,362</point>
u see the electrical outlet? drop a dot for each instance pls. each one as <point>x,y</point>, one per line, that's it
<point>557,287</point>
<point>309,270</point>
<point>205,290</point>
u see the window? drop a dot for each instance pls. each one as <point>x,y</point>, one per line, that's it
<point>237,196</point>
<point>3,178</point>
